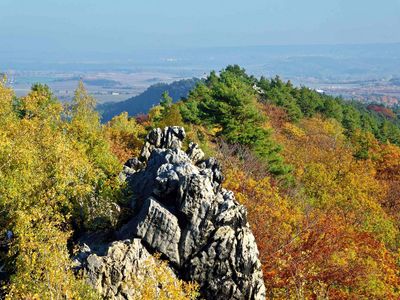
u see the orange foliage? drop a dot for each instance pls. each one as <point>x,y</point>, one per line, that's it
<point>388,165</point>
<point>276,115</point>
<point>328,235</point>
<point>314,255</point>
<point>388,173</point>
<point>125,136</point>
<point>387,112</point>
<point>272,219</point>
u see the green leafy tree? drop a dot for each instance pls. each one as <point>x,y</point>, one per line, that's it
<point>309,101</point>
<point>166,101</point>
<point>351,119</point>
<point>229,102</point>
<point>332,108</point>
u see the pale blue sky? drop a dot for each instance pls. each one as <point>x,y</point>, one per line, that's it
<point>90,25</point>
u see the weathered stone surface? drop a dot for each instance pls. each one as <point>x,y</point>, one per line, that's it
<point>181,211</point>
<point>195,153</point>
<point>157,227</point>
<point>109,274</point>
<point>170,138</point>
<point>134,163</point>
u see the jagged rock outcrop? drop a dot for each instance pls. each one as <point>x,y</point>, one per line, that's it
<point>181,211</point>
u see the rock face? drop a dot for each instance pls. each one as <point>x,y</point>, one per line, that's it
<point>181,211</point>
<point>109,274</point>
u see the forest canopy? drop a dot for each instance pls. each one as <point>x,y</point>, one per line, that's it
<point>319,177</point>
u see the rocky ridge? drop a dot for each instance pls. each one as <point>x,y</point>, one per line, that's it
<point>181,211</point>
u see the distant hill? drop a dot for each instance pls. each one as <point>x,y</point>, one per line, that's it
<point>146,100</point>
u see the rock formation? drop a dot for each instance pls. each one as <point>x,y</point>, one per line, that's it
<point>109,274</point>
<point>181,211</point>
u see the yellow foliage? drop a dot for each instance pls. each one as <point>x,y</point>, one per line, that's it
<point>170,117</point>
<point>50,170</point>
<point>215,130</point>
<point>327,235</point>
<point>155,113</point>
<point>43,265</point>
<point>125,136</point>
<point>332,179</point>
<point>6,99</point>
<point>293,130</point>
<point>273,218</point>
<point>155,281</point>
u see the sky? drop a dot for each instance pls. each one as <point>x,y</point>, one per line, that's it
<point>73,26</point>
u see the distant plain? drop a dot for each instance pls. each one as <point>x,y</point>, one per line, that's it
<point>368,72</point>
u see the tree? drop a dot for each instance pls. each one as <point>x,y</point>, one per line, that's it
<point>228,101</point>
<point>309,101</point>
<point>328,236</point>
<point>166,101</point>
<point>42,174</point>
<point>351,119</point>
<point>333,109</point>
<point>125,136</point>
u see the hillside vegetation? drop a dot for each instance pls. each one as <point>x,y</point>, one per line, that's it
<point>58,177</point>
<point>142,103</point>
<point>319,176</point>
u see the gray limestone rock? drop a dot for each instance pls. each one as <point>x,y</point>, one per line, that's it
<point>157,228</point>
<point>110,273</point>
<point>170,138</point>
<point>195,153</point>
<point>181,211</point>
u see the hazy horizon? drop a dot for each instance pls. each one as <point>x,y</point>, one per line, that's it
<point>33,29</point>
<point>129,45</point>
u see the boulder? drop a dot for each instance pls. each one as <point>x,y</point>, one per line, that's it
<point>157,228</point>
<point>111,273</point>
